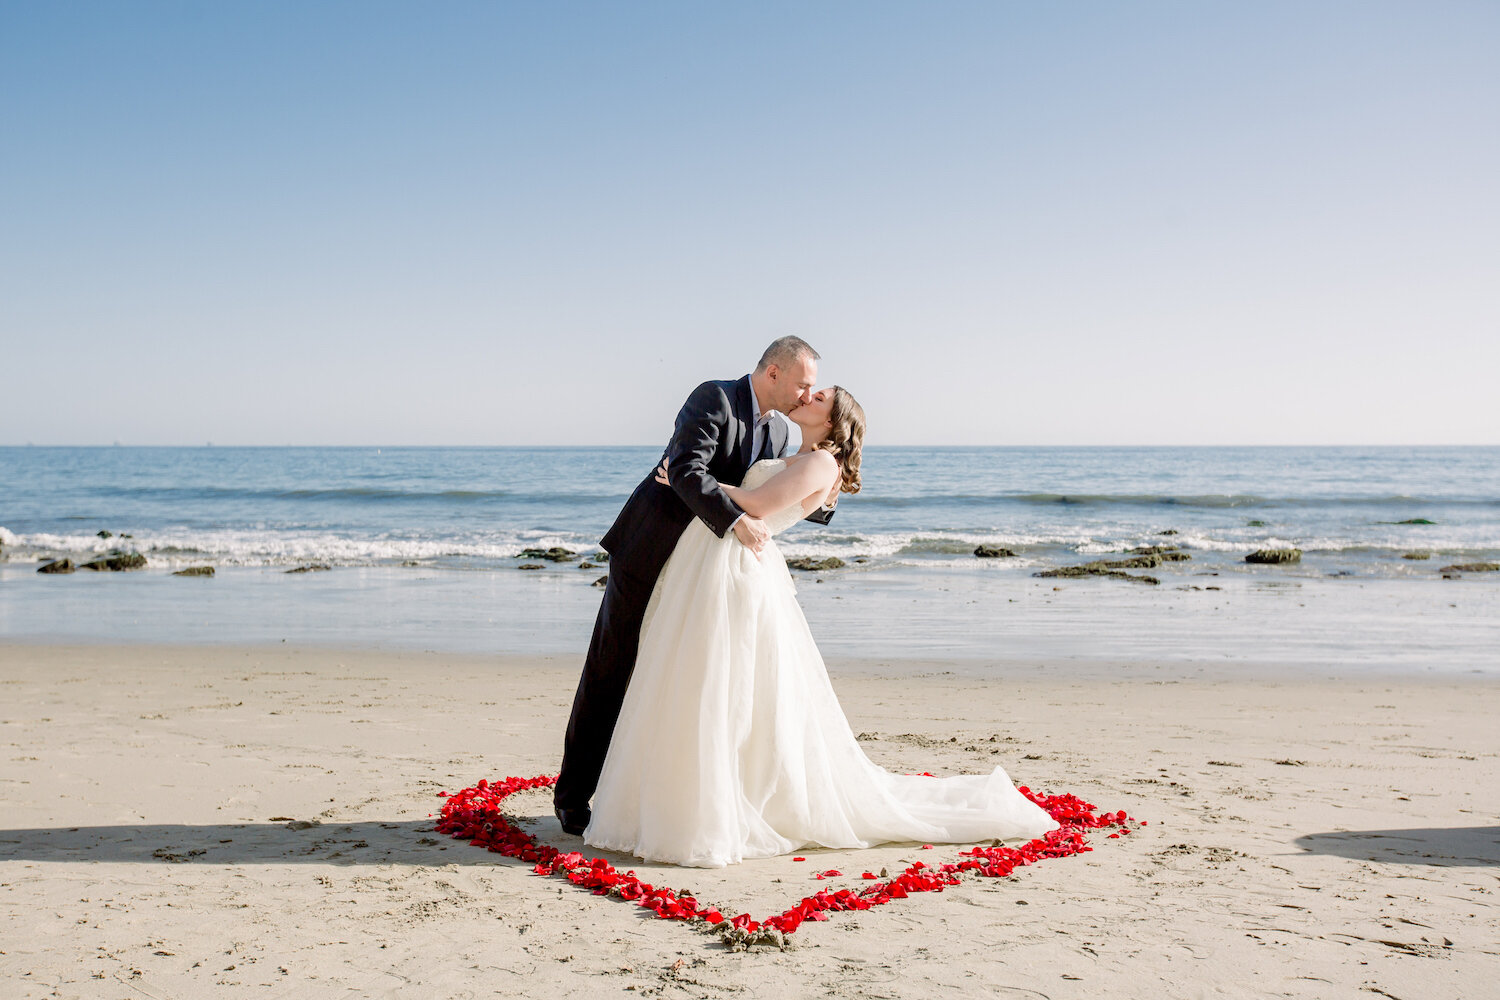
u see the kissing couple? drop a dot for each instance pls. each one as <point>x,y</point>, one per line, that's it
<point>705,730</point>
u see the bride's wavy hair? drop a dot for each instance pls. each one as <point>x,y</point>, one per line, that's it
<point>846,438</point>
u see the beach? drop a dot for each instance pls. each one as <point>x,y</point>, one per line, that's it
<point>257,820</point>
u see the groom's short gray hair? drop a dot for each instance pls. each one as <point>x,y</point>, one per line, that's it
<point>786,351</point>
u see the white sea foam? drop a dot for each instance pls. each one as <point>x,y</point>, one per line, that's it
<point>174,548</point>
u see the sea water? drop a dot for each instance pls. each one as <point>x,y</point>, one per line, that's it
<point>424,548</point>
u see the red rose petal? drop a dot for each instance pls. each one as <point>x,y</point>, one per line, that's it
<point>473,814</point>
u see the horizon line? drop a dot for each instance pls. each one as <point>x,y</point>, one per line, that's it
<point>880,447</point>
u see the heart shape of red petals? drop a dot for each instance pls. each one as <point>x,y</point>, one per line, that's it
<point>474,815</point>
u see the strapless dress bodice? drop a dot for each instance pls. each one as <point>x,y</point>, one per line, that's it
<point>756,476</point>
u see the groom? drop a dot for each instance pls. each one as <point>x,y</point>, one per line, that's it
<point>722,429</point>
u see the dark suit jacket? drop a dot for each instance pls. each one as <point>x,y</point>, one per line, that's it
<point>711,443</point>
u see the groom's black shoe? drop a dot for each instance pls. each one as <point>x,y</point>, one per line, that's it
<point>573,820</point>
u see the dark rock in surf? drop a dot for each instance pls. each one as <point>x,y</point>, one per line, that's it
<point>105,534</point>
<point>57,566</point>
<point>815,565</point>
<point>195,571</point>
<point>1416,555</point>
<point>993,552</point>
<point>1255,524</point>
<point>587,565</point>
<point>1096,569</point>
<point>1166,553</point>
<point>1471,568</point>
<point>531,566</point>
<point>599,557</point>
<point>1274,557</point>
<point>116,562</point>
<point>1169,531</point>
<point>1416,520</point>
<point>554,554</point>
<point>1150,561</point>
<point>601,581</point>
<point>312,568</point>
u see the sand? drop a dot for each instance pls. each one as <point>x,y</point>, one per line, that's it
<point>187,822</point>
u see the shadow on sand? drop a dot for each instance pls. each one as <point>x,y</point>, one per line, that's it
<point>365,843</point>
<point>1460,846</point>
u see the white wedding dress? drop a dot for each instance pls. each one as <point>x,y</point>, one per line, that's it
<point>731,743</point>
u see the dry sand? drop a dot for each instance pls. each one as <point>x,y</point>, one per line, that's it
<point>1308,837</point>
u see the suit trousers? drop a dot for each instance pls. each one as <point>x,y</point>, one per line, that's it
<point>601,688</point>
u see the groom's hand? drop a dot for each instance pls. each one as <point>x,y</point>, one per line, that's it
<point>752,533</point>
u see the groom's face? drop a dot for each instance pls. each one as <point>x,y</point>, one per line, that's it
<point>793,385</point>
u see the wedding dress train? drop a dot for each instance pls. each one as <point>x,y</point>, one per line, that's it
<point>731,743</point>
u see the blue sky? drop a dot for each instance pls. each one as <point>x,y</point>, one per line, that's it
<point>516,223</point>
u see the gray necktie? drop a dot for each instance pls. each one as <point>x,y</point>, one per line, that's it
<point>763,432</point>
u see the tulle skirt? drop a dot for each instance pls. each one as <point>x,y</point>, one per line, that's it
<point>731,743</point>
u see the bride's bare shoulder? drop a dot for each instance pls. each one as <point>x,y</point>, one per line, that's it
<point>815,461</point>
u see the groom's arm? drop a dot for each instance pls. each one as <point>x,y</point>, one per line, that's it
<point>700,423</point>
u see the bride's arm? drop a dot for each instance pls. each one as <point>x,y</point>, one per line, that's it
<point>807,481</point>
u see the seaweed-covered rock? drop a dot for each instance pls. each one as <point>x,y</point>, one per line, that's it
<point>106,533</point>
<point>57,566</point>
<point>1416,520</point>
<point>1096,569</point>
<point>1416,555</point>
<point>554,554</point>
<point>1255,524</point>
<point>599,557</point>
<point>815,565</point>
<point>116,562</point>
<point>1169,531</point>
<point>531,566</point>
<point>1150,561</point>
<point>1274,557</point>
<point>587,565</point>
<point>311,568</point>
<point>993,552</point>
<point>601,581</point>
<point>1167,553</point>
<point>195,571</point>
<point>1471,568</point>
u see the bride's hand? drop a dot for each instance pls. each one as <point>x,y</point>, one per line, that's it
<point>661,474</point>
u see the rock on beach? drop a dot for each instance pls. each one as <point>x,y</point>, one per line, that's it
<point>815,565</point>
<point>116,562</point>
<point>1273,557</point>
<point>1098,568</point>
<point>554,554</point>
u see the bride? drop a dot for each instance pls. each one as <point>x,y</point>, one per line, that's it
<point>730,742</point>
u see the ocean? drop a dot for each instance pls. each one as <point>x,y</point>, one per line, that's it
<point>424,546</point>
